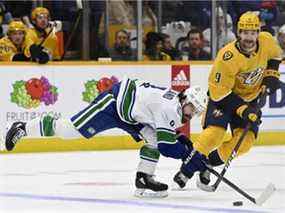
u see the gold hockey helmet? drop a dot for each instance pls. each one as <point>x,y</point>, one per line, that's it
<point>38,11</point>
<point>249,21</point>
<point>16,26</point>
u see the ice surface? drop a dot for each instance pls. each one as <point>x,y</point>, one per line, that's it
<point>103,181</point>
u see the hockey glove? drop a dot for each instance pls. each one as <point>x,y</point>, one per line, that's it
<point>249,114</point>
<point>271,81</point>
<point>271,84</point>
<point>35,51</point>
<point>43,58</point>
<point>20,57</point>
<point>194,162</point>
<point>185,140</point>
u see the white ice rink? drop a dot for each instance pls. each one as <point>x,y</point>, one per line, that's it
<point>103,182</point>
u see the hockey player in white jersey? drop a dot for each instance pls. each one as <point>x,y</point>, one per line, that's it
<point>146,112</point>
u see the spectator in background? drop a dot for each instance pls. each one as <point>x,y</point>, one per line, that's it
<point>153,48</point>
<point>68,12</point>
<point>224,31</point>
<point>149,18</point>
<point>196,44</point>
<point>281,13</point>
<point>196,12</point>
<point>15,46</point>
<point>267,15</point>
<point>237,8</point>
<point>5,17</point>
<point>266,10</point>
<point>43,36</point>
<point>2,15</point>
<point>168,48</point>
<point>20,9</point>
<point>123,12</point>
<point>281,40</point>
<point>122,50</point>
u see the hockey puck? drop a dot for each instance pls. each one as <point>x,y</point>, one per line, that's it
<point>237,203</point>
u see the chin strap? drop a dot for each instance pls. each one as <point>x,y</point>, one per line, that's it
<point>247,52</point>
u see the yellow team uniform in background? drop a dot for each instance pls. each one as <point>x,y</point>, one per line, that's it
<point>235,72</point>
<point>8,49</point>
<point>164,57</point>
<point>50,44</point>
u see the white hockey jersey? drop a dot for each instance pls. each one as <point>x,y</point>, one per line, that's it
<point>157,108</point>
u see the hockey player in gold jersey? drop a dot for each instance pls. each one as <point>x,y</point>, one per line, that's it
<point>15,46</point>
<point>45,46</point>
<point>241,71</point>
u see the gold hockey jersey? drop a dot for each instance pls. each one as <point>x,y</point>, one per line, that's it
<point>235,72</point>
<point>50,44</point>
<point>8,49</point>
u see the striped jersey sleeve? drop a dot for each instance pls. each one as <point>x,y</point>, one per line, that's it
<point>165,135</point>
<point>165,127</point>
<point>167,142</point>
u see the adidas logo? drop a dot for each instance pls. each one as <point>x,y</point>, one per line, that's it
<point>180,79</point>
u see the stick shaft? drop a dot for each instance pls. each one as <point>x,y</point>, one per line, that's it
<point>232,156</point>
<point>232,185</point>
<point>50,31</point>
<point>238,144</point>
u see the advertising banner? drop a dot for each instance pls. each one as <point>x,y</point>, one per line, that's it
<point>32,91</point>
<point>180,80</point>
<point>61,90</point>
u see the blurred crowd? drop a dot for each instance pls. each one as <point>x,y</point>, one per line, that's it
<point>43,31</point>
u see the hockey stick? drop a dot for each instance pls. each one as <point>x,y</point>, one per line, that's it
<point>39,47</point>
<point>267,192</point>
<point>74,27</point>
<point>232,156</point>
<point>50,31</point>
<point>236,148</point>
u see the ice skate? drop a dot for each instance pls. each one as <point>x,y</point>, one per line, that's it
<point>179,182</point>
<point>14,134</point>
<point>148,187</point>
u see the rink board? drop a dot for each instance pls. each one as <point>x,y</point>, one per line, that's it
<point>70,79</point>
<point>122,142</point>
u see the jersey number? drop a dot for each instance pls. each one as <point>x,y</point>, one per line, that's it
<point>218,77</point>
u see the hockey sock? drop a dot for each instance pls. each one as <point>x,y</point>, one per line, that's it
<point>149,157</point>
<point>39,127</point>
<point>49,126</point>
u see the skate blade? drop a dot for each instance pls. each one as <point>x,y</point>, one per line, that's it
<point>146,193</point>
